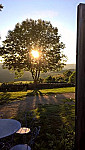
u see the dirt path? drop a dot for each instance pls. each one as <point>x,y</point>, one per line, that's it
<point>13,108</point>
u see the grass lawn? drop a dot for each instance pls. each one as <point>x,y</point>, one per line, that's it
<point>57,127</point>
<point>23,82</point>
<point>58,90</point>
<point>6,97</point>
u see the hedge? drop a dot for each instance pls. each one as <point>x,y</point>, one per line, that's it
<point>24,87</point>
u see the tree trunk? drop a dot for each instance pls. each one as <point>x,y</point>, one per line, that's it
<point>35,76</point>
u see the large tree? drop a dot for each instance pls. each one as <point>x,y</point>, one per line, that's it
<point>33,45</point>
<point>1,7</point>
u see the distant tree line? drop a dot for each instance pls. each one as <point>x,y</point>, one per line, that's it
<point>67,77</point>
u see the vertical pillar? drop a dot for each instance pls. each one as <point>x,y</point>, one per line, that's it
<point>80,80</point>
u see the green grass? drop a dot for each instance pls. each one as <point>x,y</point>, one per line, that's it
<point>58,90</point>
<point>23,82</point>
<point>57,127</point>
<point>6,97</point>
<point>18,82</point>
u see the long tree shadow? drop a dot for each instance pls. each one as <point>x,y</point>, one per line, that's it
<point>57,126</point>
<point>35,92</point>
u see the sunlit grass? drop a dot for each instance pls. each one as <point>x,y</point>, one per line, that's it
<point>15,95</point>
<point>21,82</point>
<point>6,97</point>
<point>58,90</point>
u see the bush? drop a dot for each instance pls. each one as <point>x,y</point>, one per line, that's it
<point>48,79</point>
<point>41,80</point>
<point>67,74</point>
<point>72,78</point>
<point>60,79</point>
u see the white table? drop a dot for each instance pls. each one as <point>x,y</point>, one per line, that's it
<point>8,127</point>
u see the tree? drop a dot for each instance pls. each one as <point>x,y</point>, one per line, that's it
<point>60,79</point>
<point>27,37</point>
<point>72,78</point>
<point>67,74</point>
<point>48,79</point>
<point>1,7</point>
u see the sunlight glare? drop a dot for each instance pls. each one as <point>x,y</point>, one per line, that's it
<point>35,53</point>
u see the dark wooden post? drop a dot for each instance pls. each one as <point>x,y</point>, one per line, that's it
<point>80,80</point>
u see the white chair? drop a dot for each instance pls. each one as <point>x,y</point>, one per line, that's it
<point>24,130</point>
<point>34,135</point>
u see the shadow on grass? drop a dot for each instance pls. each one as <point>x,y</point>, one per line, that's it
<point>34,92</point>
<point>4,97</point>
<point>57,127</point>
<point>57,123</point>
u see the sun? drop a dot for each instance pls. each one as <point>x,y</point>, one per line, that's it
<point>35,53</point>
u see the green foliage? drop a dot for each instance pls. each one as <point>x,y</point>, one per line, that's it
<point>60,79</point>
<point>53,79</point>
<point>64,77</point>
<point>1,7</point>
<point>33,35</point>
<point>72,78</point>
<point>41,80</point>
<point>67,74</point>
<point>48,79</point>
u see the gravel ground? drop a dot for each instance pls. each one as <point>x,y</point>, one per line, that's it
<point>13,108</point>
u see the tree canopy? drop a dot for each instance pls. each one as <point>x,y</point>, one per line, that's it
<point>1,7</point>
<point>33,35</point>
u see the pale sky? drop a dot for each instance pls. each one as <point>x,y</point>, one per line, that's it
<point>61,13</point>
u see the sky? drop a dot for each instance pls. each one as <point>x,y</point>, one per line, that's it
<point>61,13</point>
